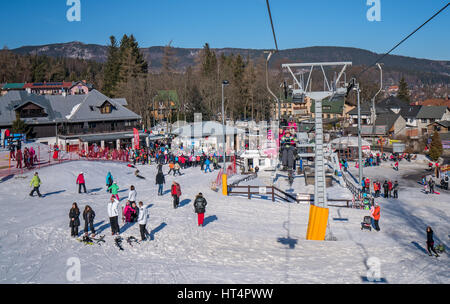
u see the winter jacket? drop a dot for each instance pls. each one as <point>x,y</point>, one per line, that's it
<point>143,216</point>
<point>200,204</point>
<point>113,208</point>
<point>375,212</point>
<point>89,216</point>
<point>160,178</point>
<point>385,186</point>
<point>430,239</point>
<point>109,179</point>
<point>127,212</point>
<point>176,190</point>
<point>395,187</point>
<point>35,181</point>
<point>114,189</point>
<point>80,179</point>
<point>74,214</point>
<point>132,195</point>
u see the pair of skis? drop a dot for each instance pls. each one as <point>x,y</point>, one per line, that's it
<point>130,240</point>
<point>87,240</point>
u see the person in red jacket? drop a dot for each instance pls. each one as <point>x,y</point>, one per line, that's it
<point>390,188</point>
<point>176,193</point>
<point>81,182</point>
<point>19,159</point>
<point>375,215</point>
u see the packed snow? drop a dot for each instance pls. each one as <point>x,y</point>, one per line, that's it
<point>243,241</point>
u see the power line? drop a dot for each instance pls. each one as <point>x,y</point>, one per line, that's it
<point>271,23</point>
<point>406,38</point>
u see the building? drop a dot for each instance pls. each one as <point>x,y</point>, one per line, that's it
<point>409,113</point>
<point>50,88</point>
<point>430,114</point>
<point>441,126</point>
<point>71,119</point>
<point>299,110</point>
<point>165,104</point>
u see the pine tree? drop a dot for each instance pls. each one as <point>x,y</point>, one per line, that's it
<point>112,68</point>
<point>403,91</point>
<point>20,127</point>
<point>436,148</point>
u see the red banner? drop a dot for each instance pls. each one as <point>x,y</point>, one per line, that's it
<point>136,138</point>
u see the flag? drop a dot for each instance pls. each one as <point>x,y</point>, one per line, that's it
<point>136,138</point>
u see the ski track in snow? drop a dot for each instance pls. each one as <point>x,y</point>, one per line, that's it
<point>243,241</point>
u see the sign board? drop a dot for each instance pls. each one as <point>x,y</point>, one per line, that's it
<point>398,147</point>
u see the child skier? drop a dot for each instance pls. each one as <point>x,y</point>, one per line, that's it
<point>200,205</point>
<point>35,183</point>
<point>114,190</point>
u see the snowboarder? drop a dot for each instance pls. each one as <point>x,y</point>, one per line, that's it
<point>109,181</point>
<point>114,190</point>
<point>160,180</point>
<point>199,205</point>
<point>35,183</point>
<point>88,216</point>
<point>81,182</point>
<point>375,215</point>
<point>74,215</point>
<point>430,242</point>
<point>176,193</point>
<point>142,221</point>
<point>113,213</point>
<point>395,188</point>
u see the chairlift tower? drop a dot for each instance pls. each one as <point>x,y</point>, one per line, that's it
<point>331,89</point>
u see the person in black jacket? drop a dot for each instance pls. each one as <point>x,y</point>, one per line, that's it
<point>200,205</point>
<point>430,242</point>
<point>386,189</point>
<point>160,180</point>
<point>74,215</point>
<point>88,216</point>
<point>395,188</point>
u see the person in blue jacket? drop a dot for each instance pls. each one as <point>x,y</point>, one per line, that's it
<point>109,181</point>
<point>207,163</point>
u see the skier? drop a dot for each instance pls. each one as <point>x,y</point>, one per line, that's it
<point>207,163</point>
<point>35,183</point>
<point>132,195</point>
<point>288,150</point>
<point>395,188</point>
<point>74,215</point>
<point>109,181</point>
<point>171,168</point>
<point>142,220</point>
<point>160,180</point>
<point>81,182</point>
<point>176,193</point>
<point>176,169</point>
<point>430,242</point>
<point>113,213</point>
<point>114,190</point>
<point>199,205</point>
<point>386,189</point>
<point>375,215</point>
<point>390,188</point>
<point>88,216</point>
<point>431,185</point>
<point>396,166</point>
<point>134,212</point>
<point>55,152</point>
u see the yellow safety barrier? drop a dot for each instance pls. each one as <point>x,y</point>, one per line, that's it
<point>224,185</point>
<point>317,225</point>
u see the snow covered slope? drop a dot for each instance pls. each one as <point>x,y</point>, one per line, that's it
<point>243,241</point>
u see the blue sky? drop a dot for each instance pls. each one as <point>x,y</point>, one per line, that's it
<point>232,23</point>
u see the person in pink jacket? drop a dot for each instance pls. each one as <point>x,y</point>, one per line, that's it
<point>81,182</point>
<point>127,212</point>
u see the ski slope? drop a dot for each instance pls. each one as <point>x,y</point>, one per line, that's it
<point>243,241</point>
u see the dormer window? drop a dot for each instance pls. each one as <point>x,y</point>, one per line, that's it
<point>106,108</point>
<point>30,110</point>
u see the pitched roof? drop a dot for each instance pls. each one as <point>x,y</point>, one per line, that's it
<point>432,112</point>
<point>48,85</point>
<point>366,109</point>
<point>436,102</point>
<point>72,108</point>
<point>387,120</point>
<point>392,102</point>
<point>11,86</point>
<point>444,123</point>
<point>410,111</point>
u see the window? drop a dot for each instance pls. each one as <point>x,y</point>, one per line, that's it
<point>423,120</point>
<point>106,108</point>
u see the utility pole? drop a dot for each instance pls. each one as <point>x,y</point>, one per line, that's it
<point>359,136</point>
